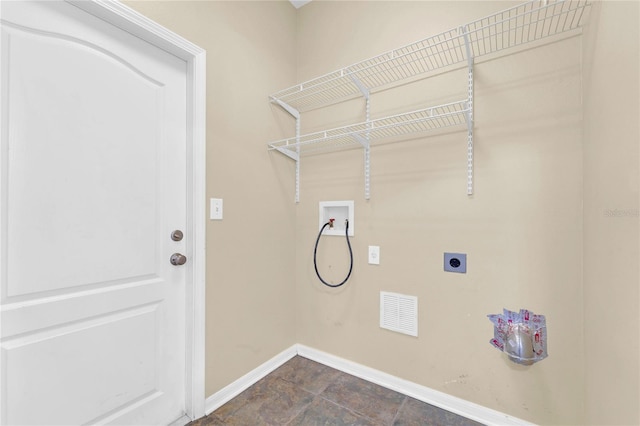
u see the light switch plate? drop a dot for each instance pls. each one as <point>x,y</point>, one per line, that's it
<point>374,255</point>
<point>215,209</point>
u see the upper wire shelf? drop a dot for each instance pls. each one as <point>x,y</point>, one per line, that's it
<point>423,120</point>
<point>512,27</point>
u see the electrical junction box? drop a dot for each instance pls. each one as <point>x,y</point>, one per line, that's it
<point>340,211</point>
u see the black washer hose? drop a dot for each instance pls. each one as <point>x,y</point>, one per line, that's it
<point>315,250</point>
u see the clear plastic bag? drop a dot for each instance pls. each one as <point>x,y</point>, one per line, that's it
<point>521,335</point>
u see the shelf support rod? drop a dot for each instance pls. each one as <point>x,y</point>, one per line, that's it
<point>367,151</point>
<point>365,141</point>
<point>296,114</point>
<point>467,44</point>
<point>297,199</point>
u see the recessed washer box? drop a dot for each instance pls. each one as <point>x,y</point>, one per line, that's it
<point>455,262</point>
<point>340,211</point>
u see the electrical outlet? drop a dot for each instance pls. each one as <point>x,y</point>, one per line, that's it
<point>455,262</point>
<point>374,255</point>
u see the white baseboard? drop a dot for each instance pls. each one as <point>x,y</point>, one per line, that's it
<point>182,421</point>
<point>439,399</point>
<point>234,389</point>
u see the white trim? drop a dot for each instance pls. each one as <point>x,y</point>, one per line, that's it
<point>196,201</point>
<point>439,399</point>
<point>234,389</point>
<point>436,398</point>
<point>182,421</point>
<point>137,24</point>
<point>124,17</point>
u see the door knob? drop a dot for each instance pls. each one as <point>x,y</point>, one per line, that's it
<point>178,259</point>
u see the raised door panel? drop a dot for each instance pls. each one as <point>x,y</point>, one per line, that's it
<point>82,165</point>
<point>62,368</point>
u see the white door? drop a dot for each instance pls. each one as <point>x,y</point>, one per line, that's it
<point>93,181</point>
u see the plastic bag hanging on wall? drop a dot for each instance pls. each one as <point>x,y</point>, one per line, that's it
<point>521,335</point>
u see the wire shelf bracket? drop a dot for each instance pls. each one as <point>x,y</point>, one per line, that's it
<point>294,155</point>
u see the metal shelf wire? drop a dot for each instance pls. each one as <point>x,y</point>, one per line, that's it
<point>380,71</point>
<point>512,27</point>
<point>519,25</point>
<point>525,23</point>
<point>365,133</point>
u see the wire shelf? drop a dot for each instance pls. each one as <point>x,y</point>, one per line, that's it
<point>383,70</point>
<point>519,25</point>
<point>423,120</point>
<point>525,23</point>
<point>512,27</point>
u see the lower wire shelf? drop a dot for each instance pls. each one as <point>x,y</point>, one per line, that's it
<point>415,122</point>
<point>364,133</point>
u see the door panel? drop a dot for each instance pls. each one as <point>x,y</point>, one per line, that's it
<point>73,351</point>
<point>93,180</point>
<point>60,211</point>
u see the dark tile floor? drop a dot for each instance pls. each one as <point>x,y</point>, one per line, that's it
<point>302,392</point>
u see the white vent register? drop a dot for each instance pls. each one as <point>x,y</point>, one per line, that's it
<point>399,312</point>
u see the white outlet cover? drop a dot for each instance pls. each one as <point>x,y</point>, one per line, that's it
<point>374,255</point>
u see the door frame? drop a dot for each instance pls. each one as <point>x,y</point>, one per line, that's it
<point>137,24</point>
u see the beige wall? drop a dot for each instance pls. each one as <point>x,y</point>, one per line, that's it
<point>521,230</point>
<point>540,154</point>
<point>250,269</point>
<point>611,182</point>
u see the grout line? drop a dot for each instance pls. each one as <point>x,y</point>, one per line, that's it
<point>354,412</point>
<point>402,404</point>
<point>302,410</point>
<point>342,378</point>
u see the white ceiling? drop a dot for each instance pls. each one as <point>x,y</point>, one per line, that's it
<point>299,3</point>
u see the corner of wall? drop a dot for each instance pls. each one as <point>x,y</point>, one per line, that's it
<point>611,214</point>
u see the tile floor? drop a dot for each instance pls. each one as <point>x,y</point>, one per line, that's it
<point>304,392</point>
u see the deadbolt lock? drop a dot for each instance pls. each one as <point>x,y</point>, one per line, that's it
<point>177,235</point>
